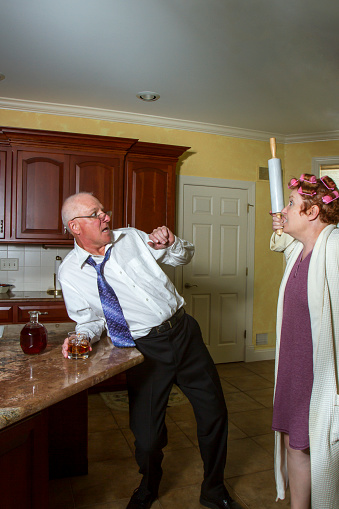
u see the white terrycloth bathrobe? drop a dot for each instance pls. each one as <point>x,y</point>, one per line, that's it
<point>323,301</point>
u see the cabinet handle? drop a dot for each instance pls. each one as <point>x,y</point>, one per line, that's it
<point>1,226</point>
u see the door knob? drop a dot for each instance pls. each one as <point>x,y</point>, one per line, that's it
<point>188,285</point>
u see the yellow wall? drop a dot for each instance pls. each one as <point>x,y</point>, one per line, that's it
<point>210,156</point>
<point>298,156</point>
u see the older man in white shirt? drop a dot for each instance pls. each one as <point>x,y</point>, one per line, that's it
<point>169,339</point>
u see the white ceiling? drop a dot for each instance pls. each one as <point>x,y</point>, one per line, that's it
<point>263,65</point>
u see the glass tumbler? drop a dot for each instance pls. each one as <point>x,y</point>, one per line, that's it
<point>78,345</point>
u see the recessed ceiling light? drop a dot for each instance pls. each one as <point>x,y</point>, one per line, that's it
<point>148,96</point>
<point>2,76</point>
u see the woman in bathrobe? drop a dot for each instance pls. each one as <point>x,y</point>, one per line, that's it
<point>306,401</point>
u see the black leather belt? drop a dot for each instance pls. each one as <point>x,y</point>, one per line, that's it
<point>168,324</point>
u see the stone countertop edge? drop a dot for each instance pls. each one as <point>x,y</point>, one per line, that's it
<point>31,383</point>
<point>29,296</point>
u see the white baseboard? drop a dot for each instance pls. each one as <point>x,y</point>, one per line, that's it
<point>259,354</point>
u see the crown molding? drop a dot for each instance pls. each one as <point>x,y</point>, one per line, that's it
<point>154,121</point>
<point>133,118</point>
<point>312,137</point>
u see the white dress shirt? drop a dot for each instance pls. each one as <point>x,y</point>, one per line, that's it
<point>146,295</point>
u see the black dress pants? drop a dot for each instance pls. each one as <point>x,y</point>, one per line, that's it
<point>178,356</point>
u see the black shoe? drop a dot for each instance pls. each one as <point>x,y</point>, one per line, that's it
<point>225,503</point>
<point>138,502</point>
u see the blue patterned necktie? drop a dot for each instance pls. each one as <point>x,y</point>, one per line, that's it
<point>116,323</point>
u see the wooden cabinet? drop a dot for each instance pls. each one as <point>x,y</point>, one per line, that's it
<point>24,464</point>
<point>51,444</point>
<point>135,180</point>
<point>44,180</point>
<point>42,185</point>
<point>150,186</point>
<point>6,313</point>
<point>5,194</point>
<point>102,176</point>
<point>18,311</point>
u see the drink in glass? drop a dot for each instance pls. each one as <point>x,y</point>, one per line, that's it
<point>78,345</point>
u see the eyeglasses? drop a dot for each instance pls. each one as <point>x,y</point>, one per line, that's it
<point>95,215</point>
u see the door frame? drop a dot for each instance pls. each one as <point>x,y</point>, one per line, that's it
<point>182,180</point>
<point>317,162</point>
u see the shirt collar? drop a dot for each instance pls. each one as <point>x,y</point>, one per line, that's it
<point>82,254</point>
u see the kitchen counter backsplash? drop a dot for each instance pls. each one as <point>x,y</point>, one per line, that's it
<point>35,267</point>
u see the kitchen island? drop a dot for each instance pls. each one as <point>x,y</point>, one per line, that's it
<point>43,414</point>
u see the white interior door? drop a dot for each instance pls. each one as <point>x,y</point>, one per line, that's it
<point>214,283</point>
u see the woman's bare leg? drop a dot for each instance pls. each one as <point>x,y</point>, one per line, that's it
<point>299,476</point>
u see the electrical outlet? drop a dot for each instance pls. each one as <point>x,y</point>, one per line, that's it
<point>9,264</point>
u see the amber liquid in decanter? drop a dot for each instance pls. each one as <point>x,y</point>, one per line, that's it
<point>33,337</point>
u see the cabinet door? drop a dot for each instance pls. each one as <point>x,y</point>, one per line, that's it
<point>102,176</point>
<point>24,464</point>
<point>56,312</point>
<point>42,185</point>
<point>150,194</point>
<point>18,312</point>
<point>6,314</point>
<point>5,157</point>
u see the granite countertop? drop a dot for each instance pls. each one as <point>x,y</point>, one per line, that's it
<point>30,383</point>
<point>13,295</point>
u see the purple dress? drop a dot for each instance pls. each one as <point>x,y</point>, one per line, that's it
<point>295,370</point>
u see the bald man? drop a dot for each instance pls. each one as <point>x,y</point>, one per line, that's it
<point>156,323</point>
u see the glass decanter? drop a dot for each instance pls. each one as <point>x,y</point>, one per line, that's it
<point>33,337</point>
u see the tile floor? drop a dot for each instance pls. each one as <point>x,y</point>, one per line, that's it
<point>249,475</point>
